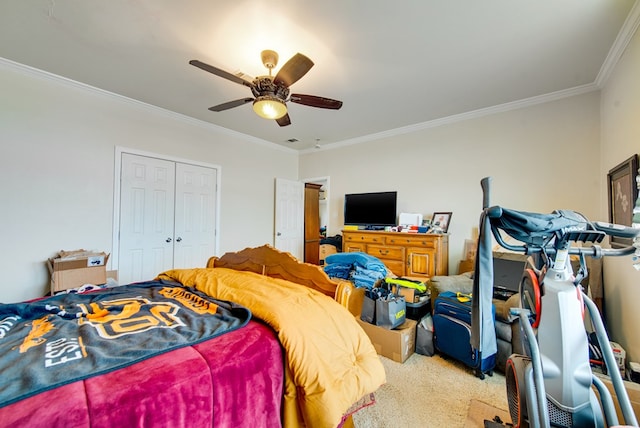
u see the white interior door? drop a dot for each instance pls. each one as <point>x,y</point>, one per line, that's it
<point>289,217</point>
<point>147,189</point>
<point>167,216</point>
<point>195,215</point>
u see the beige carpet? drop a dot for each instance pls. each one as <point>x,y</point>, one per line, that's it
<point>433,392</point>
<point>480,411</point>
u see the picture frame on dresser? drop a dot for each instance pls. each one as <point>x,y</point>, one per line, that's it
<point>623,193</point>
<point>441,220</point>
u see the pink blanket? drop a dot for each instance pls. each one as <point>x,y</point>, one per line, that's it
<point>232,380</point>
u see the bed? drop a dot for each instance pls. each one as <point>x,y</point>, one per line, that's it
<point>298,359</point>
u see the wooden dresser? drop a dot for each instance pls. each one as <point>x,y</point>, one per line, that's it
<point>405,254</point>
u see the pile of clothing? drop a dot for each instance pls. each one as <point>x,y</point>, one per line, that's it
<point>362,269</point>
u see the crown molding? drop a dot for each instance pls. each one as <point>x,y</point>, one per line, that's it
<point>35,72</point>
<point>615,53</point>
<point>474,114</point>
<point>619,45</point>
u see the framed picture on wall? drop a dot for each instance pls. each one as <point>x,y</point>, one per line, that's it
<point>623,193</point>
<point>470,248</point>
<point>441,220</point>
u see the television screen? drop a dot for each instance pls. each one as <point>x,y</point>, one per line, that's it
<point>370,209</point>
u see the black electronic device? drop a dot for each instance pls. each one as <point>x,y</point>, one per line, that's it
<point>507,274</point>
<point>373,210</point>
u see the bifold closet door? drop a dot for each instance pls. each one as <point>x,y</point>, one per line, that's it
<point>147,191</point>
<point>167,216</point>
<point>195,215</point>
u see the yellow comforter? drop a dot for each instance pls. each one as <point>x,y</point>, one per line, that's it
<point>331,362</point>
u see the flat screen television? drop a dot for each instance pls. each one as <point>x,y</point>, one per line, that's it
<point>376,209</point>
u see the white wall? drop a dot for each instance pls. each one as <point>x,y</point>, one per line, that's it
<point>575,141</point>
<point>536,155</point>
<point>57,141</point>
<point>621,139</point>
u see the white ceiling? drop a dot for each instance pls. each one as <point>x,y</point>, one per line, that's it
<point>394,64</point>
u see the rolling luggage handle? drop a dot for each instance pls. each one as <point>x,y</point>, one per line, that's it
<point>462,297</point>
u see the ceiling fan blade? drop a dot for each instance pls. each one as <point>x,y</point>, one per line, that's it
<point>221,73</point>
<point>293,70</point>
<point>314,101</point>
<point>231,104</point>
<point>284,120</point>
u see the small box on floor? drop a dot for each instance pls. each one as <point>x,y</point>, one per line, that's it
<point>325,251</point>
<point>397,344</point>
<point>72,269</point>
<point>633,391</point>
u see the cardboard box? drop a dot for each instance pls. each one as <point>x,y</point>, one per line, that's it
<point>466,266</point>
<point>410,294</point>
<point>633,391</point>
<point>397,344</point>
<point>326,250</point>
<point>71,269</point>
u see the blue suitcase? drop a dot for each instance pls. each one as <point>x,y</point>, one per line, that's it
<point>452,333</point>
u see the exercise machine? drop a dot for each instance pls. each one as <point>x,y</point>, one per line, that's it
<point>552,384</point>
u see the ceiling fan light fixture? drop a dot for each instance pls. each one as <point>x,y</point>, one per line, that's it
<point>269,107</point>
<point>272,92</point>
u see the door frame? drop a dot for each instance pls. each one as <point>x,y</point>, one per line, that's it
<point>114,259</point>
<point>326,183</point>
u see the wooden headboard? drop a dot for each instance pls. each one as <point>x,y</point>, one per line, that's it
<point>267,260</point>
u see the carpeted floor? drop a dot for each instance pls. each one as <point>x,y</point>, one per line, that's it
<point>434,392</point>
<point>480,411</point>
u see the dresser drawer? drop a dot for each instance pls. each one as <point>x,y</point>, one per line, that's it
<point>395,266</point>
<point>352,247</point>
<point>369,238</point>
<point>422,241</point>
<point>386,253</point>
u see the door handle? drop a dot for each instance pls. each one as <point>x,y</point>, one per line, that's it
<point>178,239</point>
<point>167,240</point>
<point>278,234</point>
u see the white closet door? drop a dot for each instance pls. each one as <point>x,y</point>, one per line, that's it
<point>147,190</point>
<point>289,214</point>
<point>195,220</point>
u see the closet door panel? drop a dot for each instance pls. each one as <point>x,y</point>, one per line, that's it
<point>146,217</point>
<point>195,212</point>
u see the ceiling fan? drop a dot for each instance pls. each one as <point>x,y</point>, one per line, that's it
<point>271,93</point>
